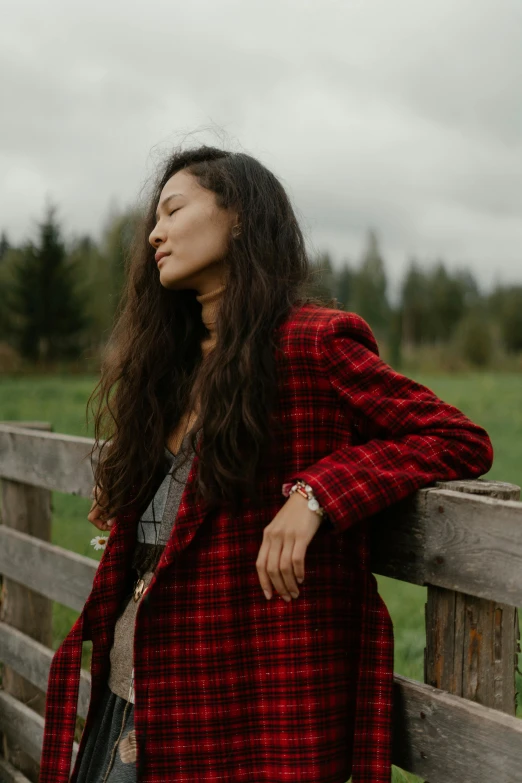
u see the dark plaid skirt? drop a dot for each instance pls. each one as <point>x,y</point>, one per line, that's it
<point>110,749</point>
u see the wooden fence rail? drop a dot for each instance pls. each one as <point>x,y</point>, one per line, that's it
<point>462,539</point>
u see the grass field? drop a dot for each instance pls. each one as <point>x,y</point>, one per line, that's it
<point>492,400</point>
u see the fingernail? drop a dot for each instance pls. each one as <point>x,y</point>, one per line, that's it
<point>110,523</point>
<point>294,595</point>
<point>286,598</point>
<point>300,579</point>
<point>267,595</point>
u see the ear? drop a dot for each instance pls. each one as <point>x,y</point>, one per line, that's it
<point>236,225</point>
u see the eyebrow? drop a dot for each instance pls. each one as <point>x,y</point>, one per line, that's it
<point>167,198</point>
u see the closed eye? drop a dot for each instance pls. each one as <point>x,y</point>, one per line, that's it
<point>174,210</point>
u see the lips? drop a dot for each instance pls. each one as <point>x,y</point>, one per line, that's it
<point>159,256</point>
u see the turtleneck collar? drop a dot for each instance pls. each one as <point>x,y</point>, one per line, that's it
<point>210,303</point>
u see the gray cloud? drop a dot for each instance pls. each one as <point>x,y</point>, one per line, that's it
<point>403,116</point>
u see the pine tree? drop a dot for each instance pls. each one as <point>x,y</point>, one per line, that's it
<point>505,305</point>
<point>47,311</point>
<point>416,304</point>
<point>322,278</point>
<point>5,252</point>
<point>97,283</point>
<point>117,240</point>
<point>4,245</point>
<point>448,294</point>
<point>369,287</point>
<point>345,278</point>
<point>434,301</point>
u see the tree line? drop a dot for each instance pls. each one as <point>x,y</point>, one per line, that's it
<point>442,318</point>
<point>58,300</point>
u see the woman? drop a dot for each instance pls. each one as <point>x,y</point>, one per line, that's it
<point>250,435</point>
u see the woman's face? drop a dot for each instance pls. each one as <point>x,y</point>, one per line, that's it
<point>193,232</point>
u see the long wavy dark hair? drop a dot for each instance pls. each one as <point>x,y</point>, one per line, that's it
<point>152,370</point>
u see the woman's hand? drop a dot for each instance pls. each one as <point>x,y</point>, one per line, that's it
<point>96,515</point>
<point>282,553</point>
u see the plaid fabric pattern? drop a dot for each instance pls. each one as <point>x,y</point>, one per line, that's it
<point>414,438</point>
<point>231,687</point>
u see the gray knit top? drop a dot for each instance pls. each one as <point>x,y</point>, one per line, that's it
<point>152,535</point>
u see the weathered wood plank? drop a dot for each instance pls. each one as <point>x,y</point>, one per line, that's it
<point>26,509</point>
<point>437,536</point>
<point>23,727</point>
<point>442,737</point>
<point>471,648</point>
<point>32,660</point>
<point>8,774</point>
<point>29,425</point>
<point>46,459</point>
<point>50,570</point>
<point>452,549</point>
<point>451,539</point>
<point>471,642</point>
<point>501,490</point>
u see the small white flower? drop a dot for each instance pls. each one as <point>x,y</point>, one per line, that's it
<point>98,542</point>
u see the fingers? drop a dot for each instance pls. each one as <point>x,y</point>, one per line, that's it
<point>100,523</point>
<point>96,515</point>
<point>286,568</point>
<point>264,579</point>
<point>273,569</point>
<point>298,559</point>
<point>279,564</point>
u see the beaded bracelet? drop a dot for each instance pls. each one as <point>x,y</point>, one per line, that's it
<point>307,492</point>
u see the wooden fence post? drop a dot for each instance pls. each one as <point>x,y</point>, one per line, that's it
<point>27,509</point>
<point>472,643</point>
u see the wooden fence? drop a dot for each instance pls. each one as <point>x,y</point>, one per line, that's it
<point>462,539</point>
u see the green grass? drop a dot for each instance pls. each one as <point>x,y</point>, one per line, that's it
<point>492,400</point>
<point>60,400</point>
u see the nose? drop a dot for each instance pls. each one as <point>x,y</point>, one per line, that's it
<point>156,236</point>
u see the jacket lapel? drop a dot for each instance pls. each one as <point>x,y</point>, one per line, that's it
<point>109,582</point>
<point>188,519</point>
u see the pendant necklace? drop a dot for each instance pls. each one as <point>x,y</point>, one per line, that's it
<point>139,587</point>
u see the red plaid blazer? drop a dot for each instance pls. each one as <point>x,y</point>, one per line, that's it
<point>231,687</point>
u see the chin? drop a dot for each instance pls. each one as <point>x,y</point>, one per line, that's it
<point>173,285</point>
<point>167,281</point>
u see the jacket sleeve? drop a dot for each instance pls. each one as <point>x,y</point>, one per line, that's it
<point>414,437</point>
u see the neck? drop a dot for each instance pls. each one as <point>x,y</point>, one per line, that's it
<point>210,303</point>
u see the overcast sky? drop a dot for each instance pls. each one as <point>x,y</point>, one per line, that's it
<point>401,115</point>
